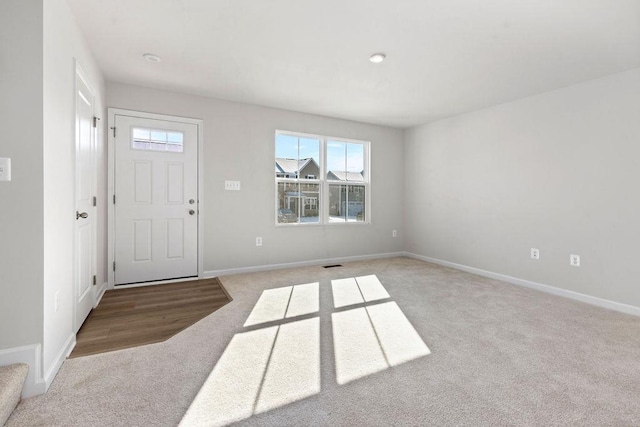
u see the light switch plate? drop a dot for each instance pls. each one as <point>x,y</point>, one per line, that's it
<point>5,169</point>
<point>232,185</point>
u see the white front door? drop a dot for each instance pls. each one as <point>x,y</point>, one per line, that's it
<point>84,262</point>
<point>156,200</point>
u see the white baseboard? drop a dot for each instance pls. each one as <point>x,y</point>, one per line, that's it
<point>62,355</point>
<point>32,356</point>
<point>101,292</point>
<point>600,302</point>
<point>36,383</point>
<point>229,271</point>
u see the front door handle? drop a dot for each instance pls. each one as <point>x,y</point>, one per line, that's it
<point>81,215</point>
<point>191,212</point>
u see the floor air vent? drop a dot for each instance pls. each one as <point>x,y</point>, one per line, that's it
<point>332,266</point>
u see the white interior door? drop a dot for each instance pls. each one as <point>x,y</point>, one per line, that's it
<point>156,203</point>
<point>84,262</point>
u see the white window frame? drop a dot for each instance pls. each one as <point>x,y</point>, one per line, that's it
<point>323,195</point>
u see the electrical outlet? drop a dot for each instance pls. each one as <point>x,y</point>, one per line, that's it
<point>55,301</point>
<point>258,241</point>
<point>394,233</point>
<point>232,185</point>
<point>535,253</point>
<point>574,260</point>
<point>5,169</point>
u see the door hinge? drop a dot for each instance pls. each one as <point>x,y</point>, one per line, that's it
<point>114,131</point>
<point>95,121</point>
<point>114,199</point>
<point>95,201</point>
<point>94,280</point>
<point>114,266</point>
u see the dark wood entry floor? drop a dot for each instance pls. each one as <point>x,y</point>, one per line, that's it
<point>137,316</point>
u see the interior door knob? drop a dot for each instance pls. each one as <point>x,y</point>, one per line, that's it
<point>191,212</point>
<point>81,215</point>
<point>191,201</point>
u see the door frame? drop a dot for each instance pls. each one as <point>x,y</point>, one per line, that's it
<point>112,113</point>
<point>81,75</point>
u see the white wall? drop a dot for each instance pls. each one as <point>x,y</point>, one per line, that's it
<point>21,200</point>
<point>239,145</point>
<point>63,46</point>
<point>558,171</point>
<point>39,42</point>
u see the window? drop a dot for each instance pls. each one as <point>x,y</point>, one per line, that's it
<point>320,179</point>
<point>157,140</point>
<point>312,202</point>
<point>345,176</point>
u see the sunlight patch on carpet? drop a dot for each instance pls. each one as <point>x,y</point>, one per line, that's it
<point>270,367</point>
<point>294,369</point>
<point>259,370</point>
<point>370,339</point>
<point>229,394</point>
<point>371,288</point>
<point>304,300</point>
<point>399,340</point>
<point>357,290</point>
<point>289,301</point>
<point>345,292</point>
<point>356,347</point>
<point>271,306</point>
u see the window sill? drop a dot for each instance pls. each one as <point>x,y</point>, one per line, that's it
<point>320,224</point>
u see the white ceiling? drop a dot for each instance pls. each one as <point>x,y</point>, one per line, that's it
<point>444,57</point>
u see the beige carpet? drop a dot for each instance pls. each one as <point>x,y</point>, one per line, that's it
<point>497,354</point>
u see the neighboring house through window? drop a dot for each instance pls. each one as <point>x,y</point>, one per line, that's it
<point>320,179</point>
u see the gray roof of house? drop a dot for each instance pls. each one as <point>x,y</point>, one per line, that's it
<point>291,165</point>
<point>346,176</point>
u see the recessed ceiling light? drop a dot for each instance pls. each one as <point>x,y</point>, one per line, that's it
<point>151,57</point>
<point>377,58</point>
